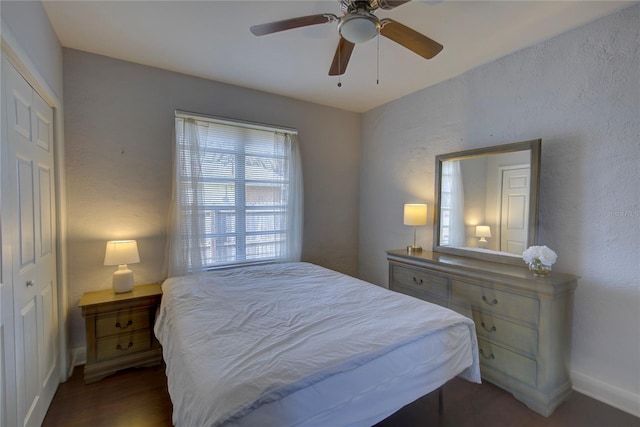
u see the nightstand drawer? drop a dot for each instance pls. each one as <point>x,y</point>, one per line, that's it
<point>506,362</point>
<point>421,281</point>
<point>497,302</point>
<point>123,344</point>
<point>123,321</point>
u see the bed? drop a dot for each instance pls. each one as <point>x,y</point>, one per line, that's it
<point>296,344</point>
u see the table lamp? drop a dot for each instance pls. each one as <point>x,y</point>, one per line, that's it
<point>415,214</point>
<point>483,231</point>
<point>121,253</point>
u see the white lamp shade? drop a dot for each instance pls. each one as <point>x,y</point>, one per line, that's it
<point>483,231</point>
<point>121,252</point>
<point>415,214</point>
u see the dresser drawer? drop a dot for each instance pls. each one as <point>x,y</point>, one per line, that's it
<point>123,344</point>
<point>122,321</point>
<point>497,302</point>
<point>420,294</point>
<point>520,338</point>
<point>421,281</point>
<point>507,362</point>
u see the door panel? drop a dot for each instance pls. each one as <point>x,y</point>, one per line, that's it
<point>43,127</point>
<point>46,210</point>
<point>26,211</point>
<point>27,339</point>
<point>22,110</point>
<point>49,332</point>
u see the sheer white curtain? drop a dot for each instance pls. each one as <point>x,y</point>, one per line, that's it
<point>452,174</point>
<point>186,220</point>
<point>261,221</point>
<point>295,207</point>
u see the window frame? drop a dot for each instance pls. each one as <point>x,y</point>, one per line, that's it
<point>240,209</point>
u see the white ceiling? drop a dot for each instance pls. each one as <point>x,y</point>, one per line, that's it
<point>211,39</point>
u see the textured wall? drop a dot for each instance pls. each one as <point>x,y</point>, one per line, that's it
<point>118,123</point>
<point>30,25</point>
<point>580,93</point>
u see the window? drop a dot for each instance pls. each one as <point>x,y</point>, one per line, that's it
<point>237,194</point>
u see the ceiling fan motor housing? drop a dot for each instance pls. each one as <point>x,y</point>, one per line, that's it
<point>359,26</point>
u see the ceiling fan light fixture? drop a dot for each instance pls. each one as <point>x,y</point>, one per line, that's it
<point>359,27</point>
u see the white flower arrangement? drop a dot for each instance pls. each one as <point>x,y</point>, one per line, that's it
<point>541,253</point>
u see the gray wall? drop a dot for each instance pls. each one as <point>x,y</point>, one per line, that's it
<point>118,124</point>
<point>580,93</point>
<point>29,24</point>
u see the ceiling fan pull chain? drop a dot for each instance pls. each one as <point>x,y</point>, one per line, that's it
<point>378,61</point>
<point>339,65</point>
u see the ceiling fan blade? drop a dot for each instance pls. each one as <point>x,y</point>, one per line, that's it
<point>411,39</point>
<point>391,4</point>
<point>288,24</point>
<point>341,58</point>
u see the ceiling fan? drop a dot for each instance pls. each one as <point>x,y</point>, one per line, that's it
<point>357,25</point>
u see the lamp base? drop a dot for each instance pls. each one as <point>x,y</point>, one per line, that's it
<point>122,279</point>
<point>483,243</point>
<point>414,249</point>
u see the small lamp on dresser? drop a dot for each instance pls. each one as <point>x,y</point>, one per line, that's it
<point>415,214</point>
<point>121,253</point>
<point>483,231</point>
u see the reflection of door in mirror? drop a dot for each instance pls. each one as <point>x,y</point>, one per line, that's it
<point>514,201</point>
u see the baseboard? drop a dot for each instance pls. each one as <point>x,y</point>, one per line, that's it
<point>78,357</point>
<point>611,395</point>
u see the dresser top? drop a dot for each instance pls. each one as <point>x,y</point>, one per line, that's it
<point>453,263</point>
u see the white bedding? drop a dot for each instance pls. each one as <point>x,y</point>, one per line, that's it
<point>298,344</point>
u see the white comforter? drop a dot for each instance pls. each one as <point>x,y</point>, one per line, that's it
<point>236,339</point>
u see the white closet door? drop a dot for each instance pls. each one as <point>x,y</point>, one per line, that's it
<point>515,210</point>
<point>31,192</point>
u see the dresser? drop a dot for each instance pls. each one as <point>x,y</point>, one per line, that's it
<point>523,323</point>
<point>119,329</point>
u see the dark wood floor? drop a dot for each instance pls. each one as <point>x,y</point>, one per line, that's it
<point>139,398</point>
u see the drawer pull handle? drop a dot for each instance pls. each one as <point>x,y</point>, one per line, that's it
<point>119,347</point>
<point>129,323</point>
<point>418,282</point>
<point>491,329</point>
<point>489,357</point>
<point>492,302</point>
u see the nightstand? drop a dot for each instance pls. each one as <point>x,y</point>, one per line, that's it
<point>119,330</point>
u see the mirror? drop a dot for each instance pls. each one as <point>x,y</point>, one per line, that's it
<point>487,202</point>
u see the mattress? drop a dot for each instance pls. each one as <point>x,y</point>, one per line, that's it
<point>296,344</point>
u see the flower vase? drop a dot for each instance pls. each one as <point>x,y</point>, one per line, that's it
<point>539,269</point>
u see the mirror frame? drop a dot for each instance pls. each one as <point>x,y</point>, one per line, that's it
<point>532,236</point>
